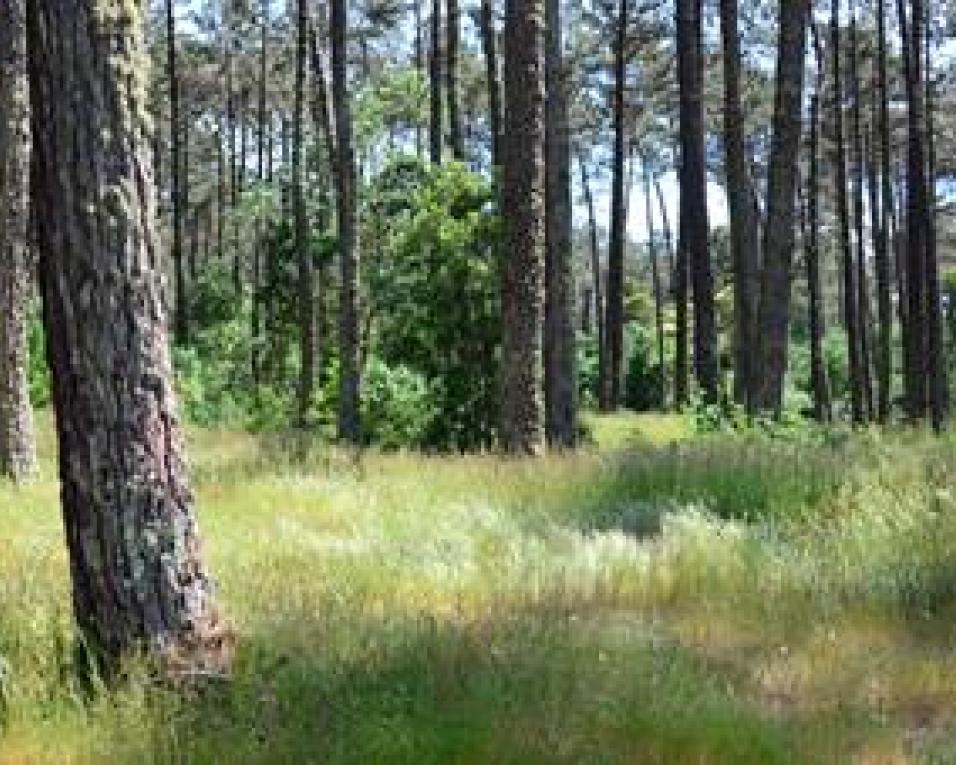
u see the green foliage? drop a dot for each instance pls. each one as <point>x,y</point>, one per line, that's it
<point>434,293</point>
<point>642,385</point>
<point>38,373</point>
<point>397,406</point>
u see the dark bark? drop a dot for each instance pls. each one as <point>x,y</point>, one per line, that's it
<point>451,79</point>
<point>778,243</point>
<point>349,425</point>
<point>560,389</point>
<point>819,384</point>
<point>434,74</point>
<point>17,447</point>
<point>695,230</point>
<point>138,577</point>
<point>180,313</point>
<point>596,270</point>
<point>489,48</point>
<point>522,410</point>
<point>610,397</point>
<point>656,283</point>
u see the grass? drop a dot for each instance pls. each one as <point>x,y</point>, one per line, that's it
<point>654,598</point>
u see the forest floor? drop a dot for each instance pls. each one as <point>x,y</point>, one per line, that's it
<point>655,598</point>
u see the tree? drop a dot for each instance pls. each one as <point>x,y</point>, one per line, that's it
<point>522,411</point>
<point>451,79</point>
<point>17,449</point>
<point>743,227</point>
<point>596,270</point>
<point>774,311</point>
<point>180,313</point>
<point>139,579</point>
<point>656,283</point>
<point>693,193</point>
<point>490,50</point>
<point>434,75</point>
<point>610,394</point>
<point>349,426</point>
<point>559,384</point>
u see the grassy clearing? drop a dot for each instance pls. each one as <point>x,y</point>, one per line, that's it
<point>652,599</point>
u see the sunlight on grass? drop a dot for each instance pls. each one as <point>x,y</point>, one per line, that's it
<point>706,601</point>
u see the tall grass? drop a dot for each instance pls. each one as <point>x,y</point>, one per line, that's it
<point>663,600</point>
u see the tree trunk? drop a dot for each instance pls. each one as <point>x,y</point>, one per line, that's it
<point>938,384</point>
<point>349,425</point>
<point>774,310</point>
<point>139,581</point>
<point>596,271</point>
<point>695,230</point>
<point>306,386</point>
<point>451,80</point>
<point>668,236</point>
<point>522,411</point>
<point>850,315</point>
<point>656,282</point>
<point>434,71</point>
<point>560,387</point>
<point>492,83</point>
<point>181,327</point>
<point>743,229</point>
<point>863,293</point>
<point>610,397</point>
<point>819,384</point>
<point>17,447</point>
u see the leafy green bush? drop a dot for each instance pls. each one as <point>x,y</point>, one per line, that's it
<point>642,385</point>
<point>397,406</point>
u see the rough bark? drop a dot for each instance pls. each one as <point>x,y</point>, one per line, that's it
<point>884,241</point>
<point>559,348</point>
<point>656,283</point>
<point>522,410</point>
<point>778,244</point>
<point>695,230</point>
<point>138,577</point>
<point>180,315</point>
<point>349,425</point>
<point>17,447</point>
<point>493,85</point>
<point>610,397</point>
<point>743,228</point>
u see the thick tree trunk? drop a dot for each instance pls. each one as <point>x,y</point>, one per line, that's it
<point>434,74</point>
<point>306,307</point>
<point>139,581</point>
<point>490,50</point>
<point>610,397</point>
<point>774,310</point>
<point>850,315</point>
<point>560,389</point>
<point>451,80</point>
<point>17,448</point>
<point>695,230</point>
<point>349,425</point>
<point>522,410</point>
<point>743,228</point>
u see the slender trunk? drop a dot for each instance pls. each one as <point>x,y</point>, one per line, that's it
<point>138,577</point>
<point>884,337</point>
<point>843,220</point>
<point>695,230</point>
<point>668,236</point>
<point>420,71</point>
<point>259,246</point>
<point>938,384</point>
<point>743,229</point>
<point>596,270</point>
<point>888,229</point>
<point>559,350</point>
<point>778,243</point>
<point>451,79</point>
<point>614,321</point>
<point>658,290</point>
<point>822,409</point>
<point>180,320</point>
<point>492,82</point>
<point>349,425</point>
<point>17,447</point>
<point>863,293</point>
<point>522,411</point>
<point>434,71</point>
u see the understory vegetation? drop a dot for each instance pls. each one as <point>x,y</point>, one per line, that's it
<point>659,597</point>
